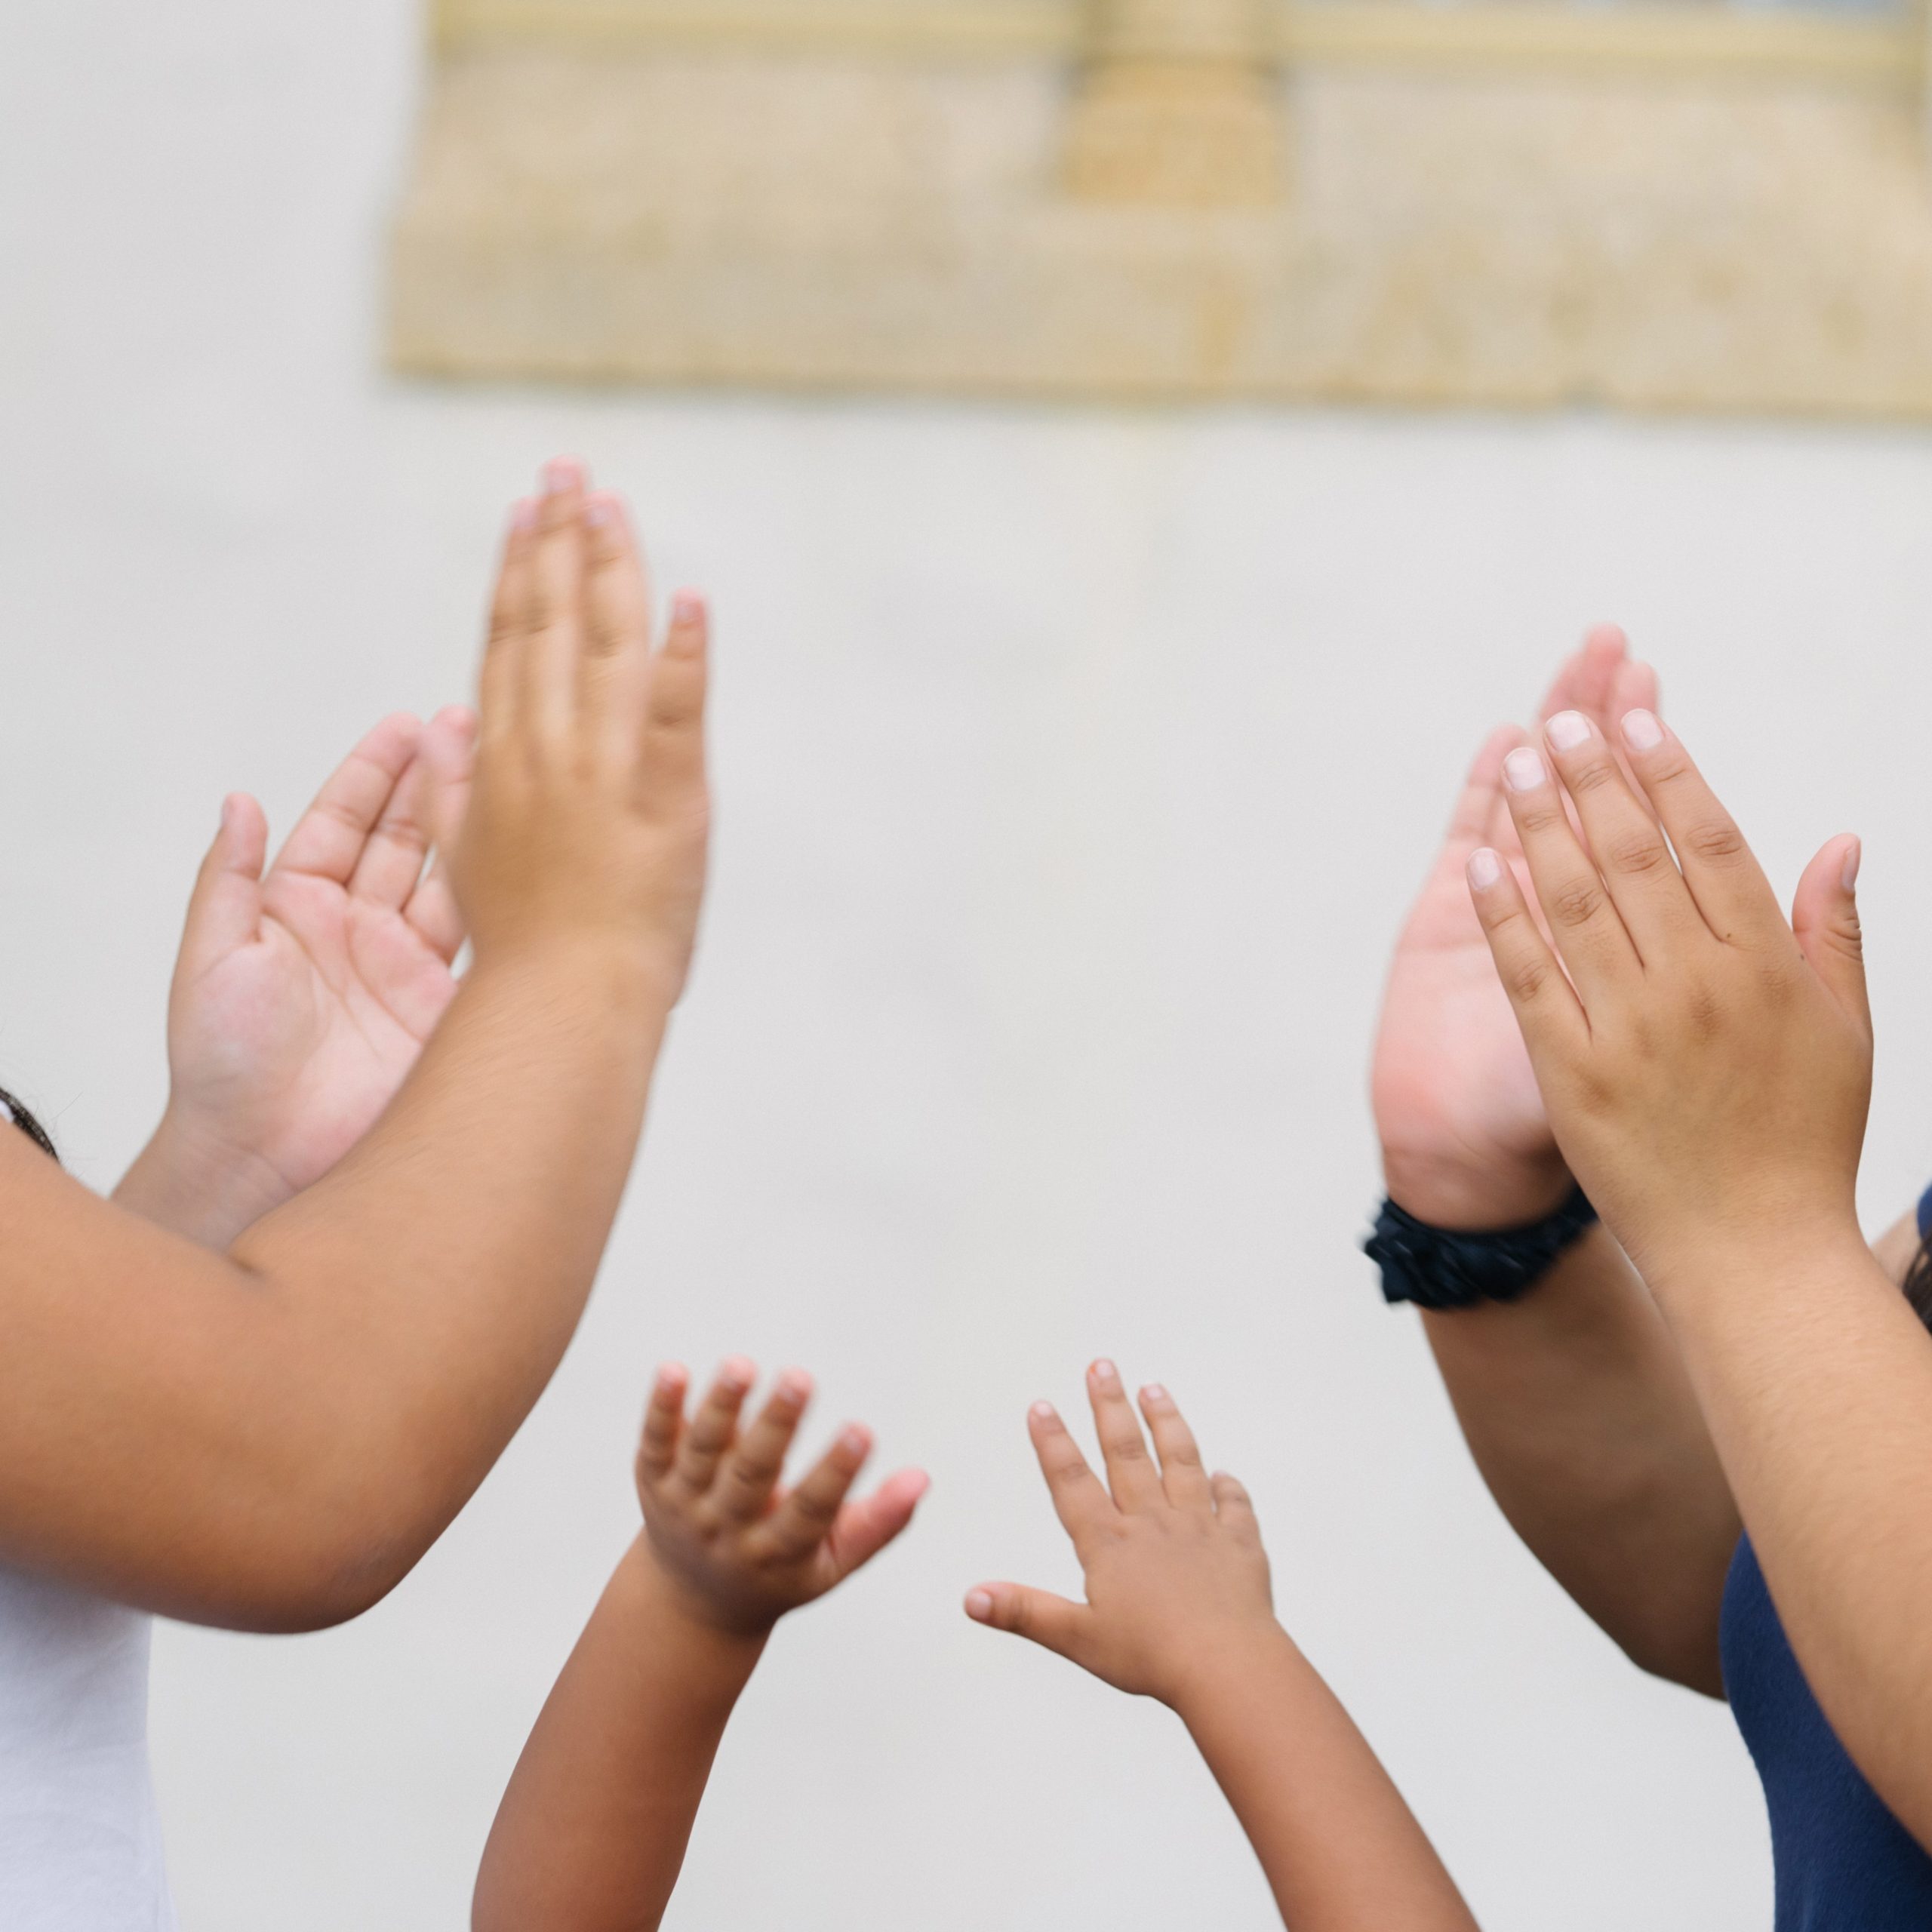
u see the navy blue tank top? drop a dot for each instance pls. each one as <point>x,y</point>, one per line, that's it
<point>1844,1863</point>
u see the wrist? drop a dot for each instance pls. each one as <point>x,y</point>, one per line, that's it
<point>188,1180</point>
<point>1718,1260</point>
<point>626,979</point>
<point>1221,1678</point>
<point>729,1644</point>
<point>1462,1196</point>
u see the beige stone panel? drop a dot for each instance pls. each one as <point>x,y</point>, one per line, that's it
<point>1516,239</point>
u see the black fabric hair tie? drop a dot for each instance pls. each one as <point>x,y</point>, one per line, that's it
<point>1438,1268</point>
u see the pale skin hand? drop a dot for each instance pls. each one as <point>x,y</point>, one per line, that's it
<point>270,1439</point>
<point>302,999</point>
<point>1707,1066</point>
<point>591,1832</point>
<point>1465,1142</point>
<point>1179,1607</point>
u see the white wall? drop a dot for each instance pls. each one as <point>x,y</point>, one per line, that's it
<point>1074,770</point>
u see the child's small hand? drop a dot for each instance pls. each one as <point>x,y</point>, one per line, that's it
<point>739,1550</point>
<point>1177,1578</point>
<point>588,816</point>
<point>1706,1063</point>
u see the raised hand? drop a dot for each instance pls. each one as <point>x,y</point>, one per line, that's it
<point>1465,1141</point>
<point>1177,1579</point>
<point>738,1548</point>
<point>589,815</point>
<point>302,999</point>
<point>1707,1065</point>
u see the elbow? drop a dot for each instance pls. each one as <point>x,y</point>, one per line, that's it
<point>331,1553</point>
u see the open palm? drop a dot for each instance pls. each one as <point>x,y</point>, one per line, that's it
<point>302,999</point>
<point>1465,1142</point>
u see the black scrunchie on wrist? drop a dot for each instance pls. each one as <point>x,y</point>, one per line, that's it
<point>1439,1269</point>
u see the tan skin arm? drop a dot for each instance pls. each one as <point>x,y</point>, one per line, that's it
<point>1179,1607</point>
<point>1707,1065</point>
<point>591,1832</point>
<point>270,1439</point>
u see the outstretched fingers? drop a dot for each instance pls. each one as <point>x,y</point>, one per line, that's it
<point>449,757</point>
<point>225,911</point>
<point>714,1428</point>
<point>1546,1006</point>
<point>615,677</point>
<point>1182,1475</point>
<point>663,1424</point>
<point>672,780</point>
<point>1131,1474</point>
<point>749,1477</point>
<point>1590,935</point>
<point>331,837</point>
<point>806,1515</point>
<point>1080,1500</point>
<point>862,1529</point>
<point>1627,846</point>
<point>1723,873</point>
<point>1040,1617</point>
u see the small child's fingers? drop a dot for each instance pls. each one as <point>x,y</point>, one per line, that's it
<point>664,1423</point>
<point>501,683</point>
<point>862,1529</point>
<point>1182,1475</point>
<point>330,837</point>
<point>1053,1623</point>
<point>751,1471</point>
<point>390,866</point>
<point>672,784</point>
<point>615,676</point>
<point>713,1429</point>
<point>804,1517</point>
<point>1080,1499</point>
<point>1131,1471</point>
<point>556,604</point>
<point>1232,1503</point>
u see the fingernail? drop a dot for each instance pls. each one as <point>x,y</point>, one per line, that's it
<point>673,1373</point>
<point>980,1606</point>
<point>1105,1372</point>
<point>1485,870</point>
<point>1853,860</point>
<point>1524,769</point>
<point>687,608</point>
<point>1641,731</point>
<point>794,1385</point>
<point>854,1440</point>
<point>737,1372</point>
<point>561,474</point>
<point>1154,1393</point>
<point>1568,730</point>
<point>1043,1412</point>
<point>523,513</point>
<point>598,512</point>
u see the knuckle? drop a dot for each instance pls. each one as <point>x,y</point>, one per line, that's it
<point>1589,775</point>
<point>1715,841</point>
<point>1575,903</point>
<point>1637,853</point>
<point>1528,978</point>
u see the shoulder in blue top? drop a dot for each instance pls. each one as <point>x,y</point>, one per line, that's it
<point>1843,1862</point>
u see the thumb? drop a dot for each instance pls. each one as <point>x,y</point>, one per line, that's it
<point>1824,916</point>
<point>1039,1615</point>
<point>225,911</point>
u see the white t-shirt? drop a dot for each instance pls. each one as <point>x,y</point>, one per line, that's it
<point>80,1840</point>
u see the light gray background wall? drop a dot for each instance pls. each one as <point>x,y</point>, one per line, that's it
<point>1075,768</point>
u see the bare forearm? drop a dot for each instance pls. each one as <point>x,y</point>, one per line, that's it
<point>1818,1379</point>
<point>300,1422</point>
<point>1578,1412</point>
<point>591,1832</point>
<point>1342,1851</point>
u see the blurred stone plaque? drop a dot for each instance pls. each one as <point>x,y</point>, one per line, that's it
<point>1687,207</point>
